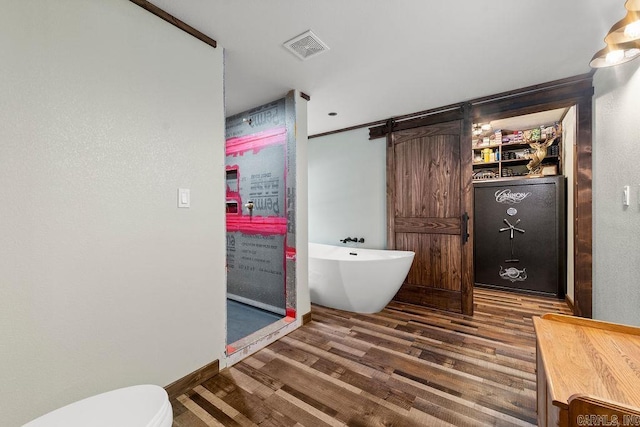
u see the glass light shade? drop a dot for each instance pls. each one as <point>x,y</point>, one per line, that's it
<point>631,53</point>
<point>625,30</point>
<point>632,31</point>
<point>615,54</point>
<point>632,5</point>
<point>614,57</point>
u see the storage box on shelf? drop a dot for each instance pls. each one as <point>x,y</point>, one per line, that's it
<point>504,153</point>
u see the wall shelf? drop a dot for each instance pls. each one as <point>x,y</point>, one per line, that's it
<point>514,156</point>
<point>516,161</point>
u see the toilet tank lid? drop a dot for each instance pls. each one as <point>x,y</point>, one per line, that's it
<point>139,405</point>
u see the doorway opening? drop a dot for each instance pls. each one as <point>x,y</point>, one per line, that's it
<point>520,204</point>
<point>260,219</point>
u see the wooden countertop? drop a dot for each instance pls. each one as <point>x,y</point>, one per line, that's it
<point>590,357</point>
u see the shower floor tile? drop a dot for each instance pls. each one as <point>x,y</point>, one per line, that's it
<point>243,320</point>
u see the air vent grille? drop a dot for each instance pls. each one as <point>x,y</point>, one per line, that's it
<point>306,45</point>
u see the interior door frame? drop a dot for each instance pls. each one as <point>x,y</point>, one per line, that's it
<point>564,93</point>
<point>280,114</point>
<point>572,92</point>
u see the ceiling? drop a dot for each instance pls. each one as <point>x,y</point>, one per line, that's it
<point>390,58</point>
<point>530,121</point>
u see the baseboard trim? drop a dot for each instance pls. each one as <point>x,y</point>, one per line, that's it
<point>193,379</point>
<point>570,304</point>
<point>306,318</point>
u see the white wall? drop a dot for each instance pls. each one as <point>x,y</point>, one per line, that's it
<point>106,110</point>
<point>347,188</point>
<point>568,146</point>
<point>616,249</point>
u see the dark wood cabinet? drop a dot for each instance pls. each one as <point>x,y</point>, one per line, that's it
<point>519,237</point>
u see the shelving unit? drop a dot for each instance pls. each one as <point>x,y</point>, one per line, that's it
<point>510,157</point>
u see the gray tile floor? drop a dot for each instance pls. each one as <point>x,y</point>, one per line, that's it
<point>243,320</point>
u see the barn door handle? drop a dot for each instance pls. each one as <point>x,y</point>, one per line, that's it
<point>465,228</point>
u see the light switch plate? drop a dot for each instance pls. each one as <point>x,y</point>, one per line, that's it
<point>625,195</point>
<point>184,198</point>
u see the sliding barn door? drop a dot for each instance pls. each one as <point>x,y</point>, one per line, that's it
<point>428,201</point>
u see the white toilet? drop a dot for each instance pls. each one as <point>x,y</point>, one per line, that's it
<point>136,406</point>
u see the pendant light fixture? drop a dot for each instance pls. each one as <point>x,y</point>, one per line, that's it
<point>615,54</point>
<point>623,39</point>
<point>628,28</point>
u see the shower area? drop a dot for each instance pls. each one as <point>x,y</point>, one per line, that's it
<point>260,152</point>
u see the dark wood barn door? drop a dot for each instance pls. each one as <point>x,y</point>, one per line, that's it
<point>428,201</point>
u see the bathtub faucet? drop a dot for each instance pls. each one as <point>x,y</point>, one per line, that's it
<point>352,239</point>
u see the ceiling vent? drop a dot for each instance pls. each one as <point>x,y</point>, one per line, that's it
<point>306,45</point>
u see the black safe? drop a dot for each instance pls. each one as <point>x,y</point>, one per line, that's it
<point>519,235</point>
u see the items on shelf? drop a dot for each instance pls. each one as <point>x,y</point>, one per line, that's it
<point>532,152</point>
<point>487,174</point>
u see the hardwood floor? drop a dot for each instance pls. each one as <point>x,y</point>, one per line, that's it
<point>404,366</point>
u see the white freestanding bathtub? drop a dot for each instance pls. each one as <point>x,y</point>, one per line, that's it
<point>358,280</point>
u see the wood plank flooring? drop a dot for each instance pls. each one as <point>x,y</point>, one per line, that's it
<point>404,366</point>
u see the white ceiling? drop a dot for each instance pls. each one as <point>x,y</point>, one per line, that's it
<point>530,121</point>
<point>389,58</point>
